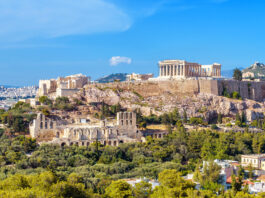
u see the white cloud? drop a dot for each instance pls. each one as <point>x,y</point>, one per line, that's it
<point>115,60</point>
<point>25,19</point>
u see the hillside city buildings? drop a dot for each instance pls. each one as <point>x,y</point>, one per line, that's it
<point>256,161</point>
<point>10,96</point>
<point>21,92</point>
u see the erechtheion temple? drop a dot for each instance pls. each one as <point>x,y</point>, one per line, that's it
<point>184,69</point>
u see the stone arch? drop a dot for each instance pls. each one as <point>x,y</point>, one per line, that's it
<point>83,143</point>
<point>121,141</point>
<point>71,144</point>
<point>57,134</point>
<point>115,143</point>
<point>51,125</point>
<point>109,143</point>
<point>87,143</point>
<point>63,144</point>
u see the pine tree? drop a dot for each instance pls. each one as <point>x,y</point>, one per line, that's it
<point>243,117</point>
<point>185,118</point>
<point>219,118</point>
<point>237,74</point>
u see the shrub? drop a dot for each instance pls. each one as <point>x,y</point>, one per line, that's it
<point>196,121</point>
<point>236,95</point>
<point>45,100</point>
<point>214,127</point>
<point>229,125</point>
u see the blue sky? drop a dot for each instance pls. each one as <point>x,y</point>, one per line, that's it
<point>48,38</point>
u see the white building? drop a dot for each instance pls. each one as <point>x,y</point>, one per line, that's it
<point>254,160</point>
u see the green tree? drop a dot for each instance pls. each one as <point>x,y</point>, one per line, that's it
<point>220,118</point>
<point>45,100</point>
<point>142,190</point>
<point>197,174</point>
<point>237,75</point>
<point>185,117</point>
<point>250,171</point>
<point>236,183</point>
<point>211,173</point>
<point>171,185</point>
<point>119,189</point>
<point>236,95</point>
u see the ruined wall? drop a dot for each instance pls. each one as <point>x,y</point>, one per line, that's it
<point>65,92</point>
<point>188,87</point>
<point>246,89</point>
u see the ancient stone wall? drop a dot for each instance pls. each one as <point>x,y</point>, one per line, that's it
<point>247,90</point>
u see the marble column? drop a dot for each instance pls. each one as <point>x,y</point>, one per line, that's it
<point>181,70</point>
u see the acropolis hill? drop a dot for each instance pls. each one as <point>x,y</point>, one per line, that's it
<point>198,90</point>
<point>180,84</point>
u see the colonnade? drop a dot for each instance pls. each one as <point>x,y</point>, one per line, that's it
<point>109,142</point>
<point>180,70</point>
<point>189,70</point>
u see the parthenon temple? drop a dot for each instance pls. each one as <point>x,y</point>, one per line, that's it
<point>184,69</point>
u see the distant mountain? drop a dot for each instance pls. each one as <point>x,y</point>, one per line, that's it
<point>257,70</point>
<point>112,78</point>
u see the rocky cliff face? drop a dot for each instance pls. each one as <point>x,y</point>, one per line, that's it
<point>159,98</point>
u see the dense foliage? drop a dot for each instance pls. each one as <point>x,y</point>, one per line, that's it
<point>18,117</point>
<point>97,166</point>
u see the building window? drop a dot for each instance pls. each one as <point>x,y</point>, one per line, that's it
<point>41,125</point>
<point>51,124</point>
<point>46,125</point>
